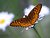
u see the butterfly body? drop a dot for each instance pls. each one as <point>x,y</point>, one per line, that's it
<point>28,20</point>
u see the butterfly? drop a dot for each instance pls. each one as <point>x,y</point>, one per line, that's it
<point>28,20</point>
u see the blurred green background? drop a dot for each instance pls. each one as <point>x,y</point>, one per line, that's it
<point>17,8</point>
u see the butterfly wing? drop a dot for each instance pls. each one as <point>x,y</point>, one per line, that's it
<point>23,22</point>
<point>34,14</point>
<point>30,19</point>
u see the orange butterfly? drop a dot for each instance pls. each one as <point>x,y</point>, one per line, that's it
<point>28,20</point>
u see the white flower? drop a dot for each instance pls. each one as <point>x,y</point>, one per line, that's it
<point>44,11</point>
<point>27,10</point>
<point>5,20</point>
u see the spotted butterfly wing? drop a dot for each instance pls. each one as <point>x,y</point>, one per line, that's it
<point>28,20</point>
<point>34,14</point>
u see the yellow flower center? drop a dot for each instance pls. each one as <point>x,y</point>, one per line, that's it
<point>2,21</point>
